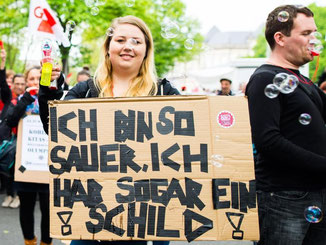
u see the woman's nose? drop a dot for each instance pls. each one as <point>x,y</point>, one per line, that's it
<point>130,44</point>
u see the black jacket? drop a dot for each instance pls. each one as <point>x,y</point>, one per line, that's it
<point>11,114</point>
<point>85,89</point>
<point>291,156</point>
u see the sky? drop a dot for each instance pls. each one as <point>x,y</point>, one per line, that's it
<point>236,15</point>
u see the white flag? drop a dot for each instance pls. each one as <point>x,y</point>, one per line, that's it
<point>43,22</point>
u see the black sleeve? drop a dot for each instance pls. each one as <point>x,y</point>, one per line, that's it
<point>44,95</point>
<point>4,88</point>
<point>265,126</point>
<point>167,88</point>
<point>78,91</point>
<point>15,113</point>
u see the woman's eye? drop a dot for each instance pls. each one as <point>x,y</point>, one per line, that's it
<point>134,41</point>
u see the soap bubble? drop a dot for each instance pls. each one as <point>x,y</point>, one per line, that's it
<point>317,35</point>
<point>109,32</point>
<point>94,11</point>
<point>313,214</point>
<point>316,47</point>
<point>170,30</point>
<point>280,78</point>
<point>283,16</point>
<point>189,43</point>
<point>184,29</point>
<point>130,3</point>
<point>89,3</point>
<point>217,160</point>
<point>70,26</point>
<point>299,6</point>
<point>315,44</point>
<point>286,83</point>
<point>305,119</point>
<point>271,91</point>
<point>289,84</point>
<point>100,2</point>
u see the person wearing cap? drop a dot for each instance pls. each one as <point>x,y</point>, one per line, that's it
<point>225,87</point>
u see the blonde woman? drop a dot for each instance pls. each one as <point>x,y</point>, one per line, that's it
<point>126,69</point>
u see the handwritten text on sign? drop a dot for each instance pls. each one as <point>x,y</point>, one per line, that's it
<point>143,200</point>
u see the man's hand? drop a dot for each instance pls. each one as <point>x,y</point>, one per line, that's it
<point>56,70</point>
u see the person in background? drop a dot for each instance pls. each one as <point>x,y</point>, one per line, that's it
<point>5,98</point>
<point>28,192</point>
<point>323,86</point>
<point>83,75</point>
<point>9,77</point>
<point>242,89</point>
<point>7,179</point>
<point>225,87</point>
<point>289,134</point>
<point>126,69</point>
<point>18,85</point>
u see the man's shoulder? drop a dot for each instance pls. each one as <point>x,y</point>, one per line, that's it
<point>261,77</point>
<point>264,72</point>
<point>266,69</point>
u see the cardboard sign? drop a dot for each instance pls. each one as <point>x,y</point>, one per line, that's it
<point>32,151</point>
<point>153,168</point>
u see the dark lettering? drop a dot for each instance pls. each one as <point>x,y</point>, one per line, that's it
<point>92,125</point>
<point>165,126</point>
<point>220,192</point>
<point>124,126</point>
<point>189,130</point>
<point>202,158</point>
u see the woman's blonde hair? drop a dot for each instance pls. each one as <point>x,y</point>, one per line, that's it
<point>145,83</point>
<point>26,73</point>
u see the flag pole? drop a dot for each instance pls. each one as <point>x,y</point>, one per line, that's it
<point>28,48</point>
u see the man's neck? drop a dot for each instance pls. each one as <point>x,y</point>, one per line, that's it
<point>279,60</point>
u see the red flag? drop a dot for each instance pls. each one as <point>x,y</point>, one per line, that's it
<point>43,22</point>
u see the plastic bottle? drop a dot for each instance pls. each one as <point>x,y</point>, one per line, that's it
<point>47,66</point>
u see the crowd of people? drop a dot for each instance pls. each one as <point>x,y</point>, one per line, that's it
<point>290,157</point>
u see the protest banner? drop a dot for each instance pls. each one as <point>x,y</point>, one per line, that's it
<point>32,151</point>
<point>153,168</point>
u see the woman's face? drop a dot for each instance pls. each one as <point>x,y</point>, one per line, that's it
<point>33,78</point>
<point>9,80</point>
<point>127,48</point>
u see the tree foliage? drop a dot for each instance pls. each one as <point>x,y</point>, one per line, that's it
<point>260,47</point>
<point>93,27</point>
<point>319,16</point>
<point>13,19</point>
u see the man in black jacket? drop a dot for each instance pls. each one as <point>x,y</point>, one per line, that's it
<point>291,152</point>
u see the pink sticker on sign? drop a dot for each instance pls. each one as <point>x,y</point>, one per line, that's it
<point>225,119</point>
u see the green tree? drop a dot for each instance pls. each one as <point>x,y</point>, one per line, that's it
<point>319,15</point>
<point>260,47</point>
<point>153,12</point>
<point>13,19</point>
